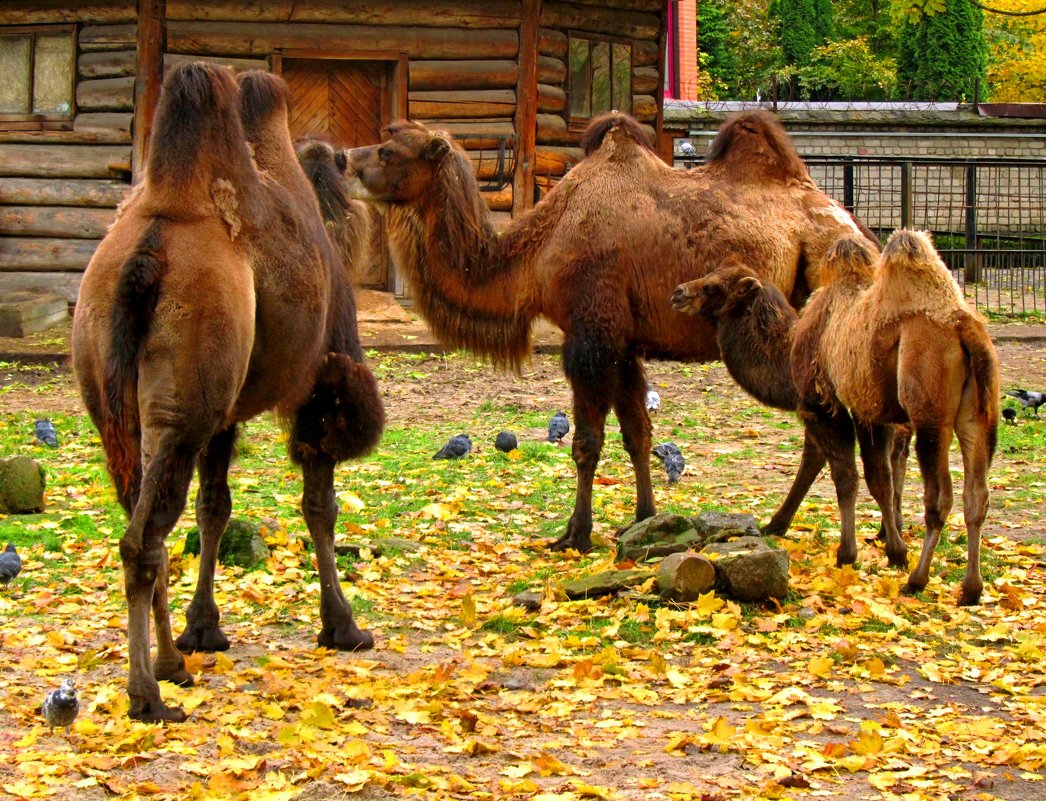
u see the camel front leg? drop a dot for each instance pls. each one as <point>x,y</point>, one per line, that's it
<point>339,629</point>
<point>834,436</point>
<point>810,465</point>
<point>931,449</point>
<point>590,414</point>
<point>630,405</point>
<point>877,449</point>
<point>213,507</point>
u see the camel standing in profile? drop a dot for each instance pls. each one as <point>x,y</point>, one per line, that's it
<point>599,257</point>
<point>215,296</point>
<point>907,349</point>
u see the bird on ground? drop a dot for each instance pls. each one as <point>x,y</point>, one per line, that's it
<point>653,400</point>
<point>10,564</point>
<point>1010,414</point>
<point>61,706</point>
<point>672,459</point>
<point>506,441</point>
<point>457,447</point>
<point>45,433</point>
<point>688,150</point>
<point>558,427</point>
<point>1029,400</point>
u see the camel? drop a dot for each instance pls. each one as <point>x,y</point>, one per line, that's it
<point>905,348</point>
<point>755,329</point>
<point>599,257</point>
<point>216,295</point>
<point>348,221</point>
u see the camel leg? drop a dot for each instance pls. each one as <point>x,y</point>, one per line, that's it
<point>169,664</point>
<point>590,414</point>
<point>834,436</point>
<point>877,447</point>
<point>810,465</point>
<point>902,439</point>
<point>976,458</point>
<point>144,558</point>
<point>931,449</point>
<point>630,405</point>
<point>213,507</point>
<point>339,629</point>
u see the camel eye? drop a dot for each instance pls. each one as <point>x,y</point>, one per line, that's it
<point>385,155</point>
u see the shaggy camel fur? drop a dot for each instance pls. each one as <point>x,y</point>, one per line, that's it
<point>347,221</point>
<point>754,328</point>
<point>599,257</point>
<point>906,349</point>
<point>214,296</point>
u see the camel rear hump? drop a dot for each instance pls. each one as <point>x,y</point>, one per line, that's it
<point>912,279</point>
<point>753,146</point>
<point>596,132</point>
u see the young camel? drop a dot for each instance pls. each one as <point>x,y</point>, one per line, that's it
<point>755,328</point>
<point>214,296</point>
<point>598,256</point>
<point>906,349</point>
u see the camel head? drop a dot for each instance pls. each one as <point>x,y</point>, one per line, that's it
<point>403,169</point>
<point>727,290</point>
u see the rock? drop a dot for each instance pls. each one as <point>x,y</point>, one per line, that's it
<point>379,546</point>
<point>242,544</point>
<point>685,576</point>
<point>22,484</point>
<point>720,526</point>
<point>657,536</point>
<point>747,569</point>
<point>605,583</point>
<point>529,600</point>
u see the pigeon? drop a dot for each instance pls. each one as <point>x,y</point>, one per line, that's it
<point>653,400</point>
<point>1010,414</point>
<point>1029,400</point>
<point>688,150</point>
<point>45,433</point>
<point>60,707</point>
<point>672,459</point>
<point>558,427</point>
<point>457,447</point>
<point>506,441</point>
<point>10,564</point>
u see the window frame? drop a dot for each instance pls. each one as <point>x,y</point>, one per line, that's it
<point>36,120</point>
<point>579,123</point>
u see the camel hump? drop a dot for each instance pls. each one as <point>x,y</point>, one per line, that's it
<point>907,248</point>
<point>849,257</point>
<point>753,145</point>
<point>197,130</point>
<point>261,95</point>
<point>597,130</point>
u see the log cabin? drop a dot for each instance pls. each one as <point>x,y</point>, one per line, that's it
<point>515,81</point>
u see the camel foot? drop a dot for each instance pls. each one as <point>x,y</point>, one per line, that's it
<point>570,540</point>
<point>898,560</point>
<point>342,637</point>
<point>206,637</point>
<point>970,596</point>
<point>155,711</point>
<point>774,529</point>
<point>913,587</point>
<point>845,558</point>
<point>175,674</point>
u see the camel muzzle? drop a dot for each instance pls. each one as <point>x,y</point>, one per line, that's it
<point>683,301</point>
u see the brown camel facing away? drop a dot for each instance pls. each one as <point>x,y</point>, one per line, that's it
<point>755,328</point>
<point>348,221</point>
<point>905,348</point>
<point>599,257</point>
<point>216,295</point>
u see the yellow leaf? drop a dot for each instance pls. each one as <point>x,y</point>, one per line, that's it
<point>820,666</point>
<point>437,511</point>
<point>875,666</point>
<point>29,738</point>
<point>272,711</point>
<point>517,771</point>
<point>868,743</point>
<point>468,610</point>
<point>354,780</point>
<point>721,734</point>
<point>222,663</point>
<point>591,790</point>
<point>477,748</point>
<point>514,455</point>
<point>724,621</point>
<point>319,715</point>
<point>351,501</point>
<point>549,765</point>
<point>708,603</point>
<point>658,663</point>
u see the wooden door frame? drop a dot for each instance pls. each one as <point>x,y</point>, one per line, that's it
<point>398,96</point>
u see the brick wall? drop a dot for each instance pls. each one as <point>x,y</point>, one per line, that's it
<point>687,10</point>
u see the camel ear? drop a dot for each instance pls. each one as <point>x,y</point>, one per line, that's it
<point>747,287</point>
<point>435,149</point>
<point>341,161</point>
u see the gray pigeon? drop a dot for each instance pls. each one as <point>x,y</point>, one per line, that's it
<point>653,400</point>
<point>672,459</point>
<point>1029,400</point>
<point>61,706</point>
<point>45,433</point>
<point>10,564</point>
<point>688,150</point>
<point>506,441</point>
<point>558,427</point>
<point>457,447</point>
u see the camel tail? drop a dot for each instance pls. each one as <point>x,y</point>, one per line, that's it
<point>137,292</point>
<point>597,130</point>
<point>984,371</point>
<point>752,146</point>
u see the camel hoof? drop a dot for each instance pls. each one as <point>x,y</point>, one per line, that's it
<point>842,559</point>
<point>970,597</point>
<point>155,712</point>
<point>202,637</point>
<point>568,541</point>
<point>900,561</point>
<point>345,638</point>
<point>175,674</point>
<point>912,589</point>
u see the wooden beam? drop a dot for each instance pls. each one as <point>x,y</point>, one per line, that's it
<point>105,122</point>
<point>526,107</point>
<point>152,42</point>
<point>421,13</point>
<point>659,92</point>
<point>72,137</point>
<point>44,12</point>
<point>66,285</point>
<point>63,161</point>
<point>106,94</point>
<point>551,99</point>
<point>462,105</point>
<point>170,61</point>
<point>106,64</point>
<point>108,37</point>
<point>64,222</point>
<point>36,254</point>
<point>600,19</point>
<point>63,192</point>
<point>458,74</point>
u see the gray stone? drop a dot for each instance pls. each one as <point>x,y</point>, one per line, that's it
<point>747,569</point>
<point>379,546</point>
<point>720,526</point>
<point>22,484</point>
<point>242,544</point>
<point>529,600</point>
<point>657,536</point>
<point>24,313</point>
<point>605,583</point>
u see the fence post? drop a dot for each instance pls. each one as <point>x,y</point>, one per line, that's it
<point>972,261</point>
<point>848,184</point>
<point>906,194</point>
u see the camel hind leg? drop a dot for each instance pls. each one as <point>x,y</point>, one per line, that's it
<point>834,436</point>
<point>213,507</point>
<point>931,449</point>
<point>630,405</point>
<point>974,442</point>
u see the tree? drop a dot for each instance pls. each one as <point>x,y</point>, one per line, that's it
<point>804,26</point>
<point>713,44</point>
<point>941,55</point>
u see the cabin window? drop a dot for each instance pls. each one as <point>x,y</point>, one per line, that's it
<point>38,65</point>
<point>600,77</point>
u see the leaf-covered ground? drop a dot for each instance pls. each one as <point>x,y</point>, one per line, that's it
<point>845,690</point>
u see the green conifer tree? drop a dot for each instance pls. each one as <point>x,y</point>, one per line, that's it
<point>941,56</point>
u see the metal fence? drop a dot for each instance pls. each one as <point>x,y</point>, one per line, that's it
<point>987,216</point>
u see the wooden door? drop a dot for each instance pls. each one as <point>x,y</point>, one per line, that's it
<point>348,103</point>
